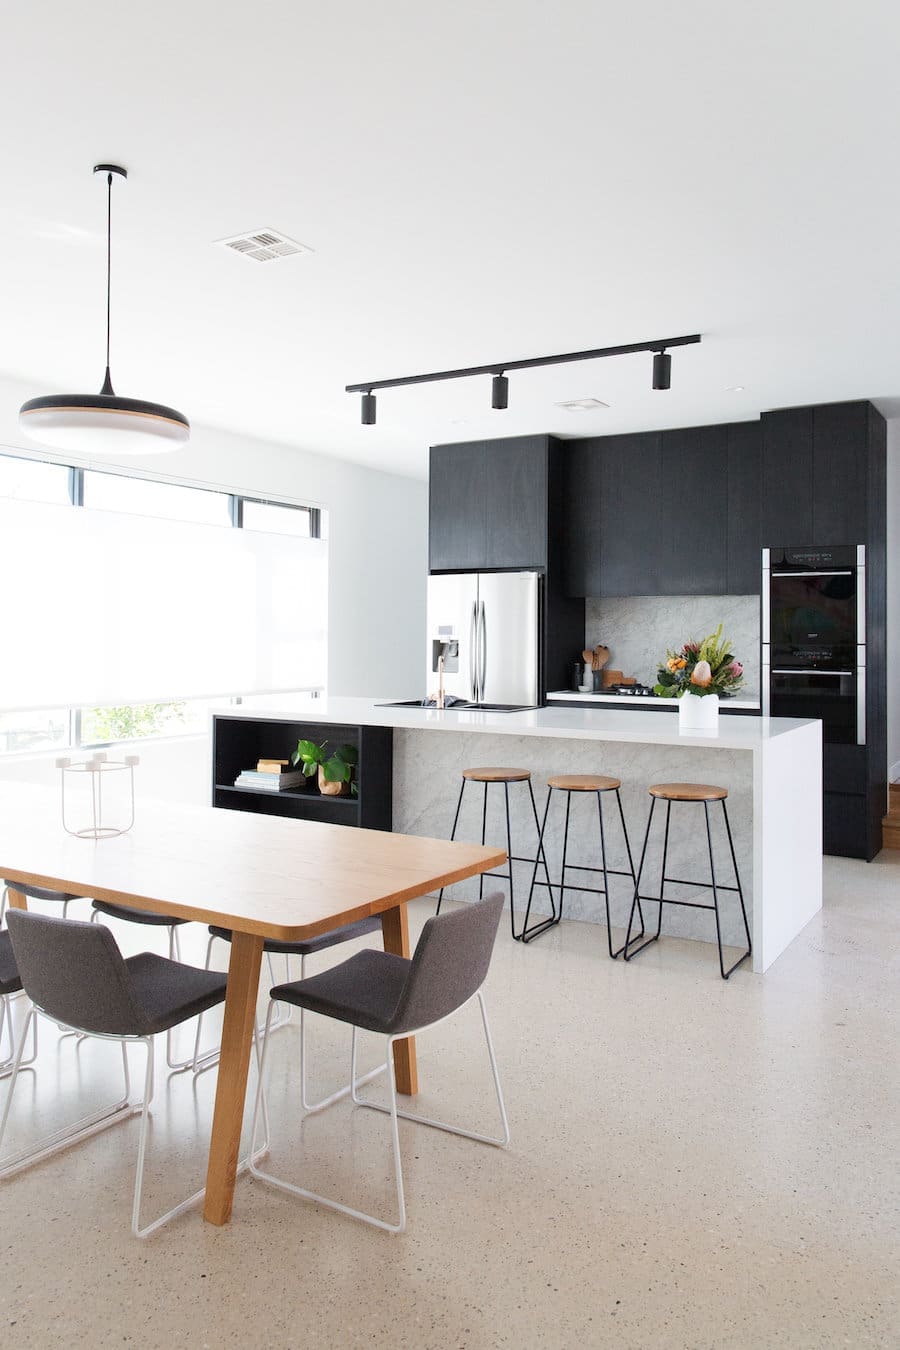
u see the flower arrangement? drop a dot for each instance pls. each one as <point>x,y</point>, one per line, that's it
<point>700,668</point>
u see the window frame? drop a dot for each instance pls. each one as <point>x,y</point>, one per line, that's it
<point>235,512</point>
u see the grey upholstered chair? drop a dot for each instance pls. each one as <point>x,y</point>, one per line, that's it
<point>10,983</point>
<point>75,974</point>
<point>381,992</point>
<point>288,949</point>
<point>31,892</point>
<point>36,893</point>
<point>150,920</point>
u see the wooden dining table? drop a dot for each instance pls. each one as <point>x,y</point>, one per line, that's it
<point>259,875</point>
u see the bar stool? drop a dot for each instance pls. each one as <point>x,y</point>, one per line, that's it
<point>599,785</point>
<point>507,776</point>
<point>689,792</point>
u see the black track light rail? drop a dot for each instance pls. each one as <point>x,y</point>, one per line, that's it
<point>500,367</point>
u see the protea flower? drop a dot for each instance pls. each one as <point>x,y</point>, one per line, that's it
<point>701,674</point>
<point>736,669</point>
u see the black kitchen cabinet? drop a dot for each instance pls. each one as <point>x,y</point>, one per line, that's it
<point>787,478</point>
<point>457,507</point>
<point>693,490</point>
<point>581,497</point>
<point>839,474</point>
<point>238,742</point>
<point>613,510</point>
<point>487,505</point>
<point>744,539</point>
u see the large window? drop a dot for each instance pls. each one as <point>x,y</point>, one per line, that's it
<point>135,602</point>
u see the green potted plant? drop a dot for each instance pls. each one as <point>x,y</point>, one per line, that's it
<point>336,771</point>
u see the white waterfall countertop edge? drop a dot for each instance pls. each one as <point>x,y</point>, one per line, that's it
<point>575,723</point>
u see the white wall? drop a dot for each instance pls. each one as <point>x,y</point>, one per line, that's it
<point>377,527</point>
<point>893,598</point>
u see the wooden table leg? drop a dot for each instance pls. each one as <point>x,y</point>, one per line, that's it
<point>234,1062</point>
<point>395,935</point>
<point>15,899</point>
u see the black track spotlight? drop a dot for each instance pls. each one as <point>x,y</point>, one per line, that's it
<point>368,409</point>
<point>500,391</point>
<point>662,370</point>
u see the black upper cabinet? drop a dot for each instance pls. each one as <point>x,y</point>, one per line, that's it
<point>515,486</point>
<point>786,514</point>
<point>693,493</point>
<point>457,507</point>
<point>630,515</point>
<point>839,473</point>
<point>582,487</point>
<point>612,508</point>
<point>487,505</point>
<point>744,543</point>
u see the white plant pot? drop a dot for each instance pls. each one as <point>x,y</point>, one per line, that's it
<point>696,713</point>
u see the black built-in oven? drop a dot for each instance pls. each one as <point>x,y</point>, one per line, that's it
<point>814,638</point>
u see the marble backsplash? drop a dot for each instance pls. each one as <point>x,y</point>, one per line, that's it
<point>637,629</point>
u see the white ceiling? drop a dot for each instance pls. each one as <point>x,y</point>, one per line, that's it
<point>479,182</point>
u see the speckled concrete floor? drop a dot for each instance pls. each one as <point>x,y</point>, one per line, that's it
<point>693,1164</point>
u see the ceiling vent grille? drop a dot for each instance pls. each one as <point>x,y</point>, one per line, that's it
<point>582,404</point>
<point>264,245</point>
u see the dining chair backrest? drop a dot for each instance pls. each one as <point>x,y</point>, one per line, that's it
<point>75,972</point>
<point>450,963</point>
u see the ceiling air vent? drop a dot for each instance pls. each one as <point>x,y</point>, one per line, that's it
<point>582,404</point>
<point>264,245</point>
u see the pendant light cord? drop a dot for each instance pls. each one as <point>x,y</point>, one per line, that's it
<point>107,383</point>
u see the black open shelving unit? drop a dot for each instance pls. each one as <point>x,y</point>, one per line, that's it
<point>238,742</point>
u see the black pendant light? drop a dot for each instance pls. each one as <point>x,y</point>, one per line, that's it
<point>104,421</point>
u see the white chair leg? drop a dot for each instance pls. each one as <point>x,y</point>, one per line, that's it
<point>209,1057</point>
<point>136,1229</point>
<point>176,1065</point>
<point>312,1195</point>
<point>6,1065</point>
<point>497,1141</point>
<point>70,1134</point>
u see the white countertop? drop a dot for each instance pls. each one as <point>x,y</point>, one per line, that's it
<point>575,723</point>
<point>631,700</point>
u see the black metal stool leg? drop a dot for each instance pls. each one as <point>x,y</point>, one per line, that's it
<point>637,886</point>
<point>712,873</point>
<point>452,836</point>
<point>509,855</point>
<point>526,933</point>
<point>562,874</point>
<point>542,854</point>
<point>605,877</point>
<point>726,973</point>
<point>630,864</point>
<point>483,837</point>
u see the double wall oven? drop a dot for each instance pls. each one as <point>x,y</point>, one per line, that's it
<point>814,638</point>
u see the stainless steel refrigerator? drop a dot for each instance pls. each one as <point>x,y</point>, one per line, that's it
<point>486,625</point>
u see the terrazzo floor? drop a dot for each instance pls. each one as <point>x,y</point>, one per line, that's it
<point>693,1164</point>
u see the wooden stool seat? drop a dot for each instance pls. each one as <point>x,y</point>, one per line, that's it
<point>583,782</point>
<point>497,775</point>
<point>688,792</point>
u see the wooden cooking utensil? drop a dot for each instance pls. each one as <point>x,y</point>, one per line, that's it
<point>601,656</point>
<point>613,677</point>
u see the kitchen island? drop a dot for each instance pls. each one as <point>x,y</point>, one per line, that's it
<point>772,768</point>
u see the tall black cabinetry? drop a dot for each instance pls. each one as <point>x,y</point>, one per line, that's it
<point>823,483</point>
<point>498,506</point>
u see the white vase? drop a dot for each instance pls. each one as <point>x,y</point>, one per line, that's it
<point>696,713</point>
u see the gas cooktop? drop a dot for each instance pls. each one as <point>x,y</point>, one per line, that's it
<point>629,690</point>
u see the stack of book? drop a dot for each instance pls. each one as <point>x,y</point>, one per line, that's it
<point>271,775</point>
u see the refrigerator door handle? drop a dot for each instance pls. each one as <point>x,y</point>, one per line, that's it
<point>473,636</point>
<point>482,679</point>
